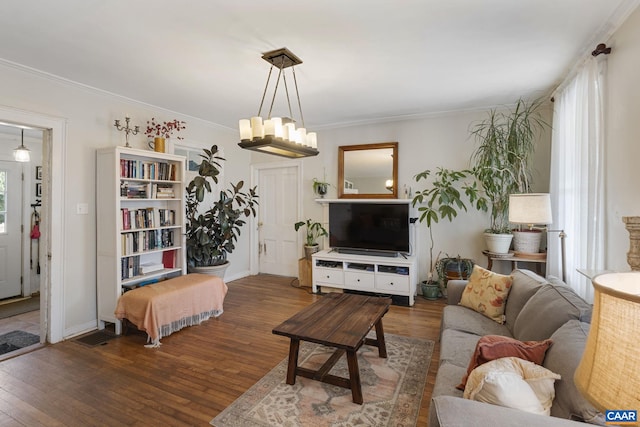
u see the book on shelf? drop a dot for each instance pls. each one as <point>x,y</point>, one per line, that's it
<point>151,170</point>
<point>150,267</point>
<point>169,258</point>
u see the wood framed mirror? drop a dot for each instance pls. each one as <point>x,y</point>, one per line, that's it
<point>368,171</point>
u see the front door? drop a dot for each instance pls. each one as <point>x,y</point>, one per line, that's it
<point>10,229</point>
<point>278,240</point>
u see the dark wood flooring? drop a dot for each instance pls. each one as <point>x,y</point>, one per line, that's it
<point>191,378</point>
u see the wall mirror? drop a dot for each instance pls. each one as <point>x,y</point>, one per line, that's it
<point>368,171</point>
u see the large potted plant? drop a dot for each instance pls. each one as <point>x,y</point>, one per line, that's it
<point>314,230</point>
<point>212,232</point>
<point>502,163</point>
<point>442,199</point>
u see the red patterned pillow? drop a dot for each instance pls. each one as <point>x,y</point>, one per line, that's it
<point>491,347</point>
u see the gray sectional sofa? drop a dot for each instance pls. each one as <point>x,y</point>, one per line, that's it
<point>535,310</point>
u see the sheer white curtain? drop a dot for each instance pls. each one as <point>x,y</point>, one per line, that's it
<point>577,182</point>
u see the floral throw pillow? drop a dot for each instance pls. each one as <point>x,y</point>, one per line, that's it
<point>487,293</point>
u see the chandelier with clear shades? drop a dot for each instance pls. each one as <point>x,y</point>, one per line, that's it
<point>278,135</point>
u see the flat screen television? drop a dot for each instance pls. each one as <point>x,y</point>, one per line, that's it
<point>369,228</point>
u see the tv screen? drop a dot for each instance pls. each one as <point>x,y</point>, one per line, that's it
<point>364,226</point>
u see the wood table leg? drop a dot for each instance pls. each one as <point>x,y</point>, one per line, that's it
<point>354,376</point>
<point>382,345</point>
<point>293,361</point>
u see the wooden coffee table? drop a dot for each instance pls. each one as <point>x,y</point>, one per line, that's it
<point>341,321</point>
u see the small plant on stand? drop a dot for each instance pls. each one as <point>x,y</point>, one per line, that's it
<point>314,231</point>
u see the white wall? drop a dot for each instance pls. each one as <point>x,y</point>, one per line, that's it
<point>89,115</point>
<point>622,140</point>
<point>426,143</point>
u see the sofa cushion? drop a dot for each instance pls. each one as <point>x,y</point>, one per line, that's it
<point>464,319</point>
<point>563,357</point>
<point>491,347</point>
<point>525,284</point>
<point>514,383</point>
<point>487,293</point>
<point>547,310</point>
<point>457,347</point>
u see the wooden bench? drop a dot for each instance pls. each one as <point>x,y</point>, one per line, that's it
<point>168,306</point>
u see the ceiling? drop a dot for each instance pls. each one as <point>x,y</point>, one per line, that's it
<point>363,60</point>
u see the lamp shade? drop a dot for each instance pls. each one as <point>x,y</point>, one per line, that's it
<point>609,372</point>
<point>530,208</point>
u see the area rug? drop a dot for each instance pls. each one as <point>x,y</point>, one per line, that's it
<point>392,390</point>
<point>15,340</point>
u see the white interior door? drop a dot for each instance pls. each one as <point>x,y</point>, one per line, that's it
<point>10,229</point>
<point>278,188</point>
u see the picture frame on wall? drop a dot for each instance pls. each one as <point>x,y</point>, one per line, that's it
<point>39,173</point>
<point>38,189</point>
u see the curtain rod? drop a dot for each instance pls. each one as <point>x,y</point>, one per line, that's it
<point>599,50</point>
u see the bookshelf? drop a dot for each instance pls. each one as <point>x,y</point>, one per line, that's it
<point>140,205</point>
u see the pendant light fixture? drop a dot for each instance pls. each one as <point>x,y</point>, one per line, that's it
<point>21,154</point>
<point>278,135</point>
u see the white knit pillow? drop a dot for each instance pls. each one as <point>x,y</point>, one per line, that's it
<point>514,383</point>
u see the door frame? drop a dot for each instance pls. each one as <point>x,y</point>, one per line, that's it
<point>256,168</point>
<point>53,253</point>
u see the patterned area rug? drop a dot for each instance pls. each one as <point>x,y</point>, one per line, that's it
<point>392,390</point>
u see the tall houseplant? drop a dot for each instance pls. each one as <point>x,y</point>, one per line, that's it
<point>212,232</point>
<point>442,199</point>
<point>502,161</point>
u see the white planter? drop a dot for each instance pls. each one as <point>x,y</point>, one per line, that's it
<point>214,270</point>
<point>498,243</point>
<point>527,241</point>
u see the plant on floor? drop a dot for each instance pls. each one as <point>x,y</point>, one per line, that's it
<point>442,199</point>
<point>212,232</point>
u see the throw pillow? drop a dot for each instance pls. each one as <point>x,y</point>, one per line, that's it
<point>514,383</point>
<point>491,347</point>
<point>487,293</point>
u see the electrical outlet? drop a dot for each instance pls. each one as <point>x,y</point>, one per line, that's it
<point>82,208</point>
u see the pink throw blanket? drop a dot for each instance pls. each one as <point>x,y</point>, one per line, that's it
<point>168,306</point>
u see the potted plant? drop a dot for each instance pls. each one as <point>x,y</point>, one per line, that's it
<point>453,268</point>
<point>211,232</point>
<point>442,199</point>
<point>502,163</point>
<point>314,231</point>
<point>320,187</point>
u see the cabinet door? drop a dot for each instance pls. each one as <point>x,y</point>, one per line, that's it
<point>392,282</point>
<point>332,276</point>
<point>358,280</point>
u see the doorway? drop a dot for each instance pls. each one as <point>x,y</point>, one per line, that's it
<point>280,209</point>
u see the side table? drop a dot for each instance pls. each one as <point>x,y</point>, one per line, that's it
<point>539,261</point>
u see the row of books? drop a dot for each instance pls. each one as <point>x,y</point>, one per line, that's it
<point>146,241</point>
<point>136,190</point>
<point>132,267</point>
<point>146,218</point>
<point>140,169</point>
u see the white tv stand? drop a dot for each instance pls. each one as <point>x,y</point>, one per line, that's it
<point>378,274</point>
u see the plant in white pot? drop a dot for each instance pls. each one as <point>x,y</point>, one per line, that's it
<point>502,163</point>
<point>314,230</point>
<point>212,232</point>
<point>441,200</point>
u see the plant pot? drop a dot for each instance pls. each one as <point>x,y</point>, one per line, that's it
<point>310,250</point>
<point>321,189</point>
<point>212,270</point>
<point>430,290</point>
<point>498,243</point>
<point>527,241</point>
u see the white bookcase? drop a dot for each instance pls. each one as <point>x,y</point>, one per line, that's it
<point>140,216</point>
<point>377,274</point>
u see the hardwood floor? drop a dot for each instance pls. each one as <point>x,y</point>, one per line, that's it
<point>192,377</point>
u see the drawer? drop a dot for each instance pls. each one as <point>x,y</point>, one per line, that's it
<point>329,275</point>
<point>359,280</point>
<point>392,282</point>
